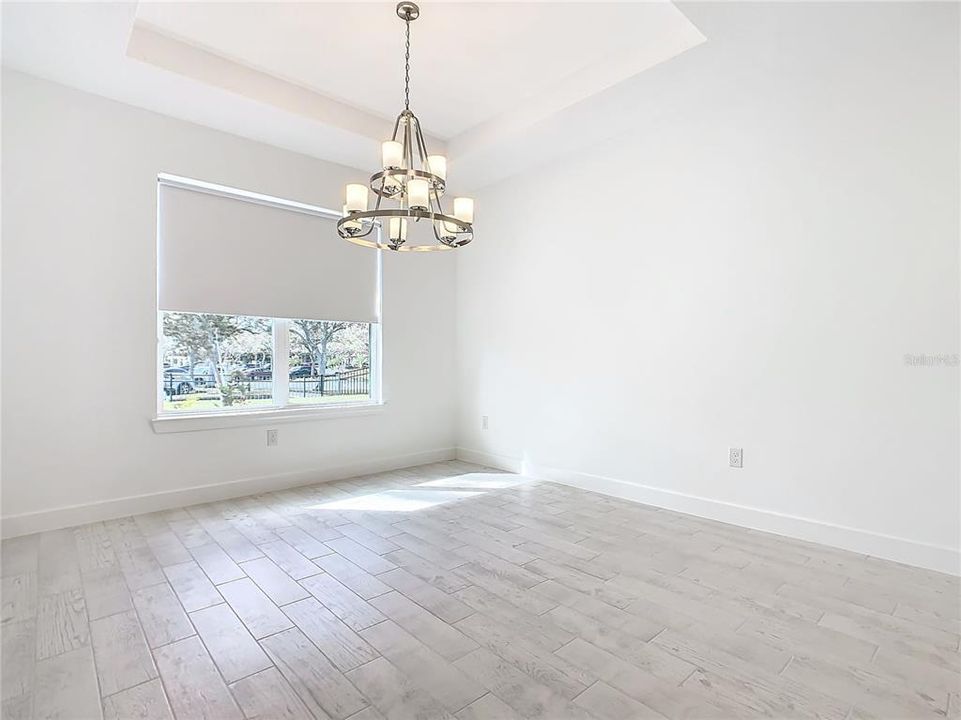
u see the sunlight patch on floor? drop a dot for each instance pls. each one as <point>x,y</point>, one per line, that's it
<point>485,481</point>
<point>398,500</point>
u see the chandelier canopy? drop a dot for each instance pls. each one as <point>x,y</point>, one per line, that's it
<point>411,180</point>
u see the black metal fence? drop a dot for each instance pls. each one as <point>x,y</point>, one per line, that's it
<point>259,386</point>
<point>348,382</point>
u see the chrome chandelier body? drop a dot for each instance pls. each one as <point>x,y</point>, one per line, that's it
<point>412,180</point>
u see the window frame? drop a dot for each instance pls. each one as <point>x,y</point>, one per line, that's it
<point>280,410</point>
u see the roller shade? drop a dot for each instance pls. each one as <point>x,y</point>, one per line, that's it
<point>252,255</point>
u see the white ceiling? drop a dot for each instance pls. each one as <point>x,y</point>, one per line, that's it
<point>327,78</point>
<point>470,61</point>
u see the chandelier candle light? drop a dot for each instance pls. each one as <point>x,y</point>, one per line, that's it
<point>411,179</point>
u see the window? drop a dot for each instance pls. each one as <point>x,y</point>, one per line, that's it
<point>328,362</point>
<point>242,328</point>
<point>217,362</point>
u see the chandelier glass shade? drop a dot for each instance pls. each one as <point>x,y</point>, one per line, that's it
<point>408,192</point>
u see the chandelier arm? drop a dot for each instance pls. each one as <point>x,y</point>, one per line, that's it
<point>417,140</point>
<point>434,194</point>
<point>370,222</point>
<point>403,121</point>
<point>424,154</point>
<point>364,223</point>
<point>393,135</point>
<point>433,226</point>
<point>408,145</point>
<point>421,145</point>
<point>376,182</point>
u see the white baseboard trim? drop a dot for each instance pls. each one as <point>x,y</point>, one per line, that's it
<point>501,462</point>
<point>911,552</point>
<point>71,515</point>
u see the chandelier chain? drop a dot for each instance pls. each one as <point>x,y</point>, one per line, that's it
<point>407,68</point>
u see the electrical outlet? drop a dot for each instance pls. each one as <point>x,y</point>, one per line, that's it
<point>735,457</point>
<point>484,423</point>
<point>272,438</point>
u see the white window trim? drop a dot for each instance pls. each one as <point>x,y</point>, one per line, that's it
<point>173,423</point>
<point>281,370</point>
<point>282,411</point>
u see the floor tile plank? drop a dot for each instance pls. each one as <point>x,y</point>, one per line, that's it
<point>19,596</point>
<point>554,672</point>
<point>276,584</point>
<point>425,668</point>
<point>192,587</point>
<point>526,696</point>
<point>393,694</point>
<point>353,611</point>
<point>254,609</point>
<point>342,646</point>
<point>321,686</point>
<point>267,696</point>
<point>233,650</point>
<point>143,702</point>
<point>66,687</point>
<point>289,560</point>
<point>161,614</point>
<point>216,563</point>
<point>603,701</point>
<point>194,687</point>
<point>18,668</point>
<point>442,638</point>
<point>447,608</point>
<point>120,653</point>
<point>61,623</point>
<point>353,576</point>
<point>489,707</point>
<point>105,592</point>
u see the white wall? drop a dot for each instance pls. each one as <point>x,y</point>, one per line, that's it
<point>748,268</point>
<point>79,318</point>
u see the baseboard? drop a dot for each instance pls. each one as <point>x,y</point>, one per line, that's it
<point>68,516</point>
<point>501,462</point>
<point>932,557</point>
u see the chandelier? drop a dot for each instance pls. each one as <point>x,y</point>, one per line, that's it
<point>412,181</point>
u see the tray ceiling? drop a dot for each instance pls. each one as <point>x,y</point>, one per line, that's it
<point>327,78</point>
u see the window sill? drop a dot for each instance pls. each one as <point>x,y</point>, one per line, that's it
<point>174,423</point>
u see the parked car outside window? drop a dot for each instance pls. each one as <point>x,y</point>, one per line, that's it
<point>177,381</point>
<point>259,373</point>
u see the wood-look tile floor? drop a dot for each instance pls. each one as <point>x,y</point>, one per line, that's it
<point>451,590</point>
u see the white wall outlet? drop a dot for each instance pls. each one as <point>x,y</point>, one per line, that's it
<point>484,423</point>
<point>272,438</point>
<point>735,457</point>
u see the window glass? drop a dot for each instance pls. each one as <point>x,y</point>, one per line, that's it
<point>329,362</point>
<point>228,362</point>
<point>216,361</point>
